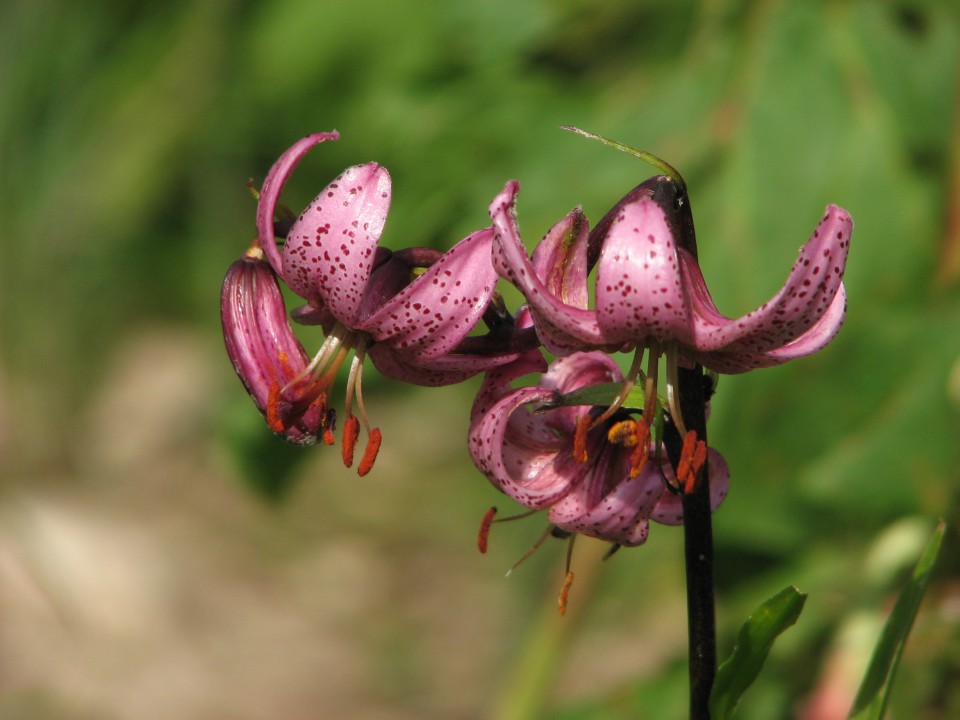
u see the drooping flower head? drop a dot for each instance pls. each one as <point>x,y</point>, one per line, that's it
<point>536,455</point>
<point>650,294</point>
<point>408,310</point>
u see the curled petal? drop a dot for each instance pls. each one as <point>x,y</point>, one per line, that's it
<point>435,372</point>
<point>435,312</point>
<point>805,299</point>
<point>620,515</point>
<point>563,326</point>
<point>330,250</point>
<point>639,290</point>
<point>669,509</point>
<point>270,193</point>
<point>534,478</point>
<point>560,260</point>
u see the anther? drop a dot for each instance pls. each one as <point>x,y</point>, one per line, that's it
<point>693,455</point>
<point>351,430</point>
<point>623,433</point>
<point>641,449</point>
<point>484,535</point>
<point>565,593</point>
<point>580,438</point>
<point>369,453</point>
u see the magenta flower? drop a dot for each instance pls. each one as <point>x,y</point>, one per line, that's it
<point>650,293</point>
<point>407,310</point>
<point>533,457</point>
<point>264,351</point>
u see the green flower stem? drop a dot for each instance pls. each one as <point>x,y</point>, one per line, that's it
<point>698,553</point>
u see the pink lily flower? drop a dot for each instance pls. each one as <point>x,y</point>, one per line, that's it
<point>651,295</point>
<point>532,455</point>
<point>408,310</point>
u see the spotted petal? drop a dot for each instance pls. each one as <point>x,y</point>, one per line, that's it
<point>806,303</point>
<point>270,193</point>
<point>435,312</point>
<point>621,514</point>
<point>329,253</point>
<point>639,290</point>
<point>564,326</point>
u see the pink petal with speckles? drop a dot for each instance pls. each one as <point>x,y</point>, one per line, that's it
<point>329,253</point>
<point>435,372</point>
<point>620,515</point>
<point>802,303</point>
<point>564,327</point>
<point>669,510</point>
<point>435,312</point>
<point>270,194</point>
<point>639,289</point>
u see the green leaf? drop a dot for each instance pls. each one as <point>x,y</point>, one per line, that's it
<point>871,700</point>
<point>750,651</point>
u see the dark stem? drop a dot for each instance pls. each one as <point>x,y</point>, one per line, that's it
<point>698,552</point>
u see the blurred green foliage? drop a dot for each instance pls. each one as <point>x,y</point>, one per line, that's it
<point>127,131</point>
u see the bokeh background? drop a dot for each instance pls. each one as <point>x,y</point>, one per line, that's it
<point>162,555</point>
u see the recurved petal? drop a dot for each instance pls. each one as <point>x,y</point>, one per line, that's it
<point>527,467</point>
<point>431,316</point>
<point>801,304</point>
<point>560,260</point>
<point>560,325</point>
<point>579,370</point>
<point>329,252</point>
<point>270,193</point>
<point>812,341</point>
<point>432,372</point>
<point>620,515</point>
<point>639,290</point>
<point>669,509</point>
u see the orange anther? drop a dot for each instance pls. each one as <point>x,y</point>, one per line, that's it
<point>328,437</point>
<point>370,453</point>
<point>273,411</point>
<point>565,593</point>
<point>641,449</point>
<point>693,455</point>
<point>580,439</point>
<point>623,433</point>
<point>484,533</point>
<point>351,430</point>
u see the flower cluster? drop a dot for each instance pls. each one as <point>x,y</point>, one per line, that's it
<point>599,449</point>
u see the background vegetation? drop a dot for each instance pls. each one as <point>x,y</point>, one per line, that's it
<point>163,556</point>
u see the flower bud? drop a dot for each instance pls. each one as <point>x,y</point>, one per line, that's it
<point>266,354</point>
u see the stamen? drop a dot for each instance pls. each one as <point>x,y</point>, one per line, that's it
<point>580,438</point>
<point>625,389</point>
<point>351,430</point>
<point>612,551</point>
<point>329,425</point>
<point>370,453</point>
<point>565,593</point>
<point>568,580</point>
<point>484,534</point>
<point>623,433</point>
<point>693,455</point>
<point>673,383</point>
<point>274,421</point>
<point>641,450</point>
<point>532,550</point>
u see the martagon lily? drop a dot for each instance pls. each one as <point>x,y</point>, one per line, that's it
<point>650,293</point>
<point>527,446</point>
<point>408,310</point>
